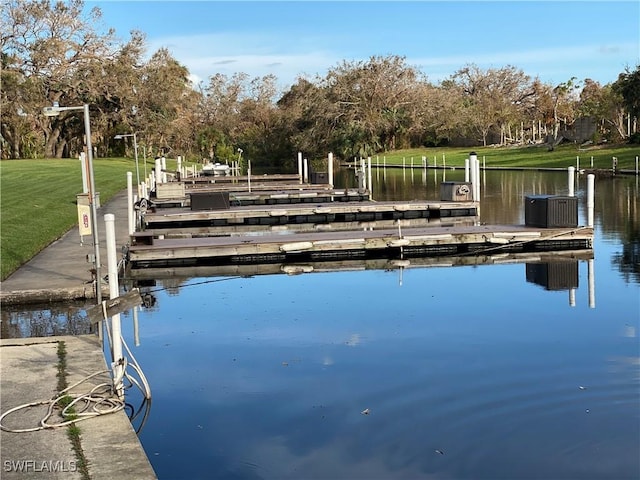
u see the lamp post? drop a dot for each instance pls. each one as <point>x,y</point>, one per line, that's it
<point>54,111</point>
<point>135,150</point>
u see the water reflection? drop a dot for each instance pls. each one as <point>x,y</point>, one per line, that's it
<point>553,275</point>
<point>477,371</point>
<point>44,320</point>
<point>617,201</point>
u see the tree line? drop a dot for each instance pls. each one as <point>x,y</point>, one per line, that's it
<point>58,52</point>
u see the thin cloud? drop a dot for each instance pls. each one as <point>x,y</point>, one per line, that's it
<point>258,54</point>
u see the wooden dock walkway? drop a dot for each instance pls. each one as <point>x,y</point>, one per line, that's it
<point>146,236</point>
<point>271,177</point>
<point>283,214</point>
<point>181,196</point>
<point>217,221</point>
<point>427,241</point>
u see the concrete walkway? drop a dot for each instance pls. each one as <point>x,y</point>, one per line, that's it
<point>61,271</point>
<point>29,374</point>
<point>29,367</point>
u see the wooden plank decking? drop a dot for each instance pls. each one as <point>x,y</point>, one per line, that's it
<point>427,241</point>
<point>281,221</point>
<point>146,236</point>
<point>307,213</point>
<point>272,197</point>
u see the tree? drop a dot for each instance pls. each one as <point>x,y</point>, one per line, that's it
<point>49,47</point>
<point>493,98</point>
<point>163,96</point>
<point>375,102</point>
<point>604,105</point>
<point>628,86</point>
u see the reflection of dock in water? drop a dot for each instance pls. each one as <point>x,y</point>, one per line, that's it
<point>553,271</point>
<point>184,272</point>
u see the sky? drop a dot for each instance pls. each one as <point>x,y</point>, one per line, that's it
<point>551,40</point>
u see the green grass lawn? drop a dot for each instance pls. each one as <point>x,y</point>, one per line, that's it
<point>38,197</point>
<point>38,202</point>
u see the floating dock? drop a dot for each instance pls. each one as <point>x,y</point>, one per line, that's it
<point>179,196</point>
<point>391,243</point>
<point>146,236</point>
<point>228,221</point>
<point>306,213</point>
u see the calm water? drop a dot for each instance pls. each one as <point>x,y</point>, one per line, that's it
<point>468,372</point>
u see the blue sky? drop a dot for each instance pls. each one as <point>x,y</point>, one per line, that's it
<point>550,40</point>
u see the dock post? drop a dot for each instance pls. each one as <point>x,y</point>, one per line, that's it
<point>369,178</point>
<point>572,297</point>
<point>590,198</point>
<point>592,283</point>
<point>249,175</point>
<point>300,166</point>
<point>83,167</point>
<point>158,171</point>
<point>130,202</point>
<point>478,178</point>
<point>136,327</point>
<point>305,169</point>
<point>330,168</point>
<point>116,328</point>
<point>571,180</point>
<point>466,170</point>
<point>473,159</point>
<point>636,165</point>
<point>164,169</point>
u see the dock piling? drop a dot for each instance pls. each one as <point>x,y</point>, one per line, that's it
<point>116,329</point>
<point>330,168</point>
<point>369,178</point>
<point>590,198</point>
<point>571,180</point>
<point>130,202</point>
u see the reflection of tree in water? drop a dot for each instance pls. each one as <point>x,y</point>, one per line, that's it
<point>618,208</point>
<point>44,321</point>
<point>628,261</point>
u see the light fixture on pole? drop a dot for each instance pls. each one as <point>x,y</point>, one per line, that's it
<point>54,111</point>
<point>135,150</point>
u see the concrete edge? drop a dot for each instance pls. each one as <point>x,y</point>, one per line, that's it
<point>109,442</point>
<point>50,295</point>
